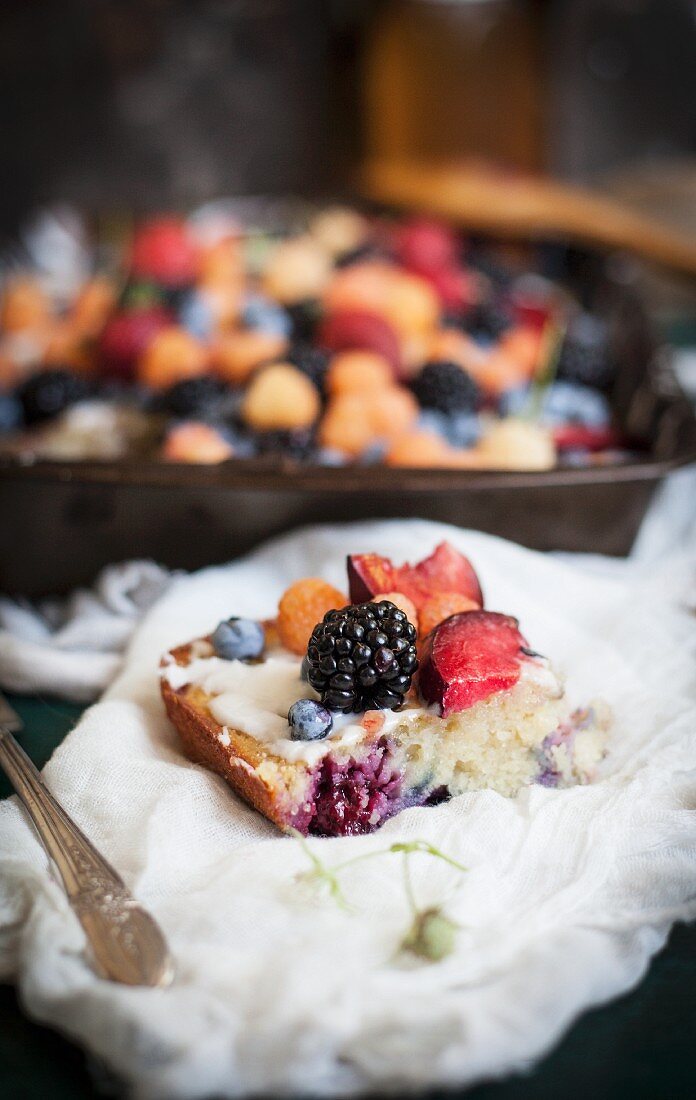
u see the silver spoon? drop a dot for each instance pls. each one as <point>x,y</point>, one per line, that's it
<point>127,944</point>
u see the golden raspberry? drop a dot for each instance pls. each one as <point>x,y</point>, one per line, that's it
<point>301,607</point>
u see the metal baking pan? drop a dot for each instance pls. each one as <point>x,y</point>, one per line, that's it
<point>65,520</point>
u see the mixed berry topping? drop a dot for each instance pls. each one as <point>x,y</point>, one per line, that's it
<point>238,639</point>
<point>363,657</point>
<point>309,721</point>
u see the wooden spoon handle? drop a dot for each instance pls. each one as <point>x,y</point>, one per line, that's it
<point>486,199</point>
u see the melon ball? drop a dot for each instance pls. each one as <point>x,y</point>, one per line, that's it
<point>171,356</point>
<point>339,229</point>
<point>235,355</point>
<point>514,444</point>
<point>297,269</point>
<point>24,305</point>
<point>358,371</point>
<point>280,397</point>
<point>196,442</point>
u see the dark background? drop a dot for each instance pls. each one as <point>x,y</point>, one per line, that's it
<point>147,104</point>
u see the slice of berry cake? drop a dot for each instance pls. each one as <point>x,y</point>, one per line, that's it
<point>338,714</point>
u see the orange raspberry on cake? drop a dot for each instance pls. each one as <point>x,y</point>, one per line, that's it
<point>172,355</point>
<point>412,304</point>
<point>301,607</point>
<point>408,302</point>
<point>361,286</point>
<point>440,606</point>
<point>281,397</point>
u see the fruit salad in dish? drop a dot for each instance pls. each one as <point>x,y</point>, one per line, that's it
<point>348,708</point>
<point>343,338</point>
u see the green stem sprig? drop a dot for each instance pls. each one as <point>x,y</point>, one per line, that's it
<point>552,340</point>
<point>431,934</point>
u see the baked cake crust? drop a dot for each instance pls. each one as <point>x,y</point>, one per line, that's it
<point>230,753</point>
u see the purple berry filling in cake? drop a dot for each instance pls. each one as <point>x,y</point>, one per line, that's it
<point>355,797</point>
<point>558,752</point>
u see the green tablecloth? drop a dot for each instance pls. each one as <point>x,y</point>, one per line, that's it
<point>642,1047</point>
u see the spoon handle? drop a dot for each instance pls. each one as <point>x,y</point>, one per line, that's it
<point>127,945</point>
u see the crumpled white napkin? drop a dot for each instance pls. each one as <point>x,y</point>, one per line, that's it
<point>73,648</point>
<point>566,897</point>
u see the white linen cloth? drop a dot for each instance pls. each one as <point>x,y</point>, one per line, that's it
<point>567,894</point>
<point>73,648</point>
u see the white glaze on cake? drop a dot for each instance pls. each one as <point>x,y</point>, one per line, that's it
<point>256,696</point>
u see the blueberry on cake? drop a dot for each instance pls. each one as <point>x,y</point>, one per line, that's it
<point>345,710</point>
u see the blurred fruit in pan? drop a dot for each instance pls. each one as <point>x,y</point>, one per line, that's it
<point>24,305</point>
<point>172,355</point>
<point>280,396</point>
<point>235,355</point>
<point>196,442</point>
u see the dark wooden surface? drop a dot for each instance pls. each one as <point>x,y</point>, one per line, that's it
<point>642,1047</point>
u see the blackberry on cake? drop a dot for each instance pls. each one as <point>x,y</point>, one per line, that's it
<point>363,657</point>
